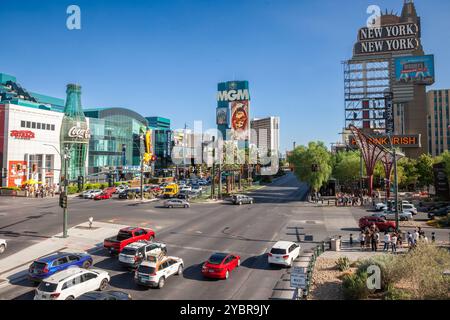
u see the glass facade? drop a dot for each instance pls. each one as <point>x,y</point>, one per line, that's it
<point>162,140</point>
<point>114,138</point>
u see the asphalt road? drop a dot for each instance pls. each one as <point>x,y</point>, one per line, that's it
<point>192,234</point>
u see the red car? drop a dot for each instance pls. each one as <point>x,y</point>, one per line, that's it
<point>381,223</point>
<point>103,196</point>
<point>126,236</point>
<point>110,190</point>
<point>219,265</point>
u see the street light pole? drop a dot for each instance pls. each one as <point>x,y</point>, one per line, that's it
<point>142,167</point>
<point>396,191</point>
<point>65,213</point>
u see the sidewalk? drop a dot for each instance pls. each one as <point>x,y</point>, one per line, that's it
<point>81,239</point>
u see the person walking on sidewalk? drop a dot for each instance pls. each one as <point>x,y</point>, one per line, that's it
<point>362,240</point>
<point>387,240</point>
<point>394,243</point>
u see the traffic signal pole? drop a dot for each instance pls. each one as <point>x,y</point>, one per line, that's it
<point>65,213</point>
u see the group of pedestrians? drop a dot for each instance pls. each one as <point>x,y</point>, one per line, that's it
<point>348,200</point>
<point>418,235</point>
<point>370,238</point>
<point>40,191</point>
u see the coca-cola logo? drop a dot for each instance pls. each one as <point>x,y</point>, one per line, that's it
<point>79,133</point>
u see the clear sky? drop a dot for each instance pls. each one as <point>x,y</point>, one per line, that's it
<point>165,57</point>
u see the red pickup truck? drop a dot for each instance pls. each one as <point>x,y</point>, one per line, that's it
<point>126,236</point>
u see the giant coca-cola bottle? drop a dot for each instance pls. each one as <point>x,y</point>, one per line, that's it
<point>74,135</point>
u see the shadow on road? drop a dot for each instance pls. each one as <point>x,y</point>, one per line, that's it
<point>125,281</point>
<point>260,263</point>
<point>111,264</point>
<point>194,272</point>
<point>26,296</point>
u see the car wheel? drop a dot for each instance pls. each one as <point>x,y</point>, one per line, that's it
<point>186,206</point>
<point>170,207</point>
<point>2,248</point>
<point>251,202</point>
<point>240,203</point>
<point>103,284</point>
<point>161,282</point>
<point>227,275</point>
<point>70,298</point>
<point>180,270</point>
<point>86,264</point>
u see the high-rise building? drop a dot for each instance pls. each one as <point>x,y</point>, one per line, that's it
<point>162,136</point>
<point>266,134</point>
<point>386,78</point>
<point>438,121</point>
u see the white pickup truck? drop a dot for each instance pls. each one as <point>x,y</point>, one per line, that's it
<point>2,246</point>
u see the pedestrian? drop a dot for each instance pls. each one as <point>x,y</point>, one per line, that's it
<point>373,241</point>
<point>410,240</point>
<point>362,240</point>
<point>433,237</point>
<point>387,240</point>
<point>416,236</point>
<point>394,243</point>
<point>377,240</point>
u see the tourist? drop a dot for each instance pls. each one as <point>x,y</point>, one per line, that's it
<point>394,243</point>
<point>387,240</point>
<point>362,240</point>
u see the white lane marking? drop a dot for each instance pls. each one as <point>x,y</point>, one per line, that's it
<point>209,250</point>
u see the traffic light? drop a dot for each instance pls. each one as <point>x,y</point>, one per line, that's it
<point>63,200</point>
<point>80,183</point>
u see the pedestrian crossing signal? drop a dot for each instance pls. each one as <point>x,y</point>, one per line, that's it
<point>63,200</point>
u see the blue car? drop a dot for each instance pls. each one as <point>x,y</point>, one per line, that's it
<point>47,266</point>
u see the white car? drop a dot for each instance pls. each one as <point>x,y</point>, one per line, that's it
<point>410,208</point>
<point>71,283</point>
<point>90,194</point>
<point>134,253</point>
<point>403,216</point>
<point>284,253</point>
<point>121,188</point>
<point>3,246</point>
<point>186,188</point>
<point>155,273</point>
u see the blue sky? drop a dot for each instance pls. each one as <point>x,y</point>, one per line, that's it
<point>165,57</point>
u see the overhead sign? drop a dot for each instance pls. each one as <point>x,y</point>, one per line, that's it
<point>415,69</point>
<point>222,116</point>
<point>387,39</point>
<point>400,141</point>
<point>22,134</point>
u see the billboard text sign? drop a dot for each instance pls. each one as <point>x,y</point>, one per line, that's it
<point>415,69</point>
<point>400,141</point>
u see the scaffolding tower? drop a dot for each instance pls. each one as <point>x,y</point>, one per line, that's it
<point>365,84</point>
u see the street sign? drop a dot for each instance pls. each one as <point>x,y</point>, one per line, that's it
<point>298,280</point>
<point>299,270</point>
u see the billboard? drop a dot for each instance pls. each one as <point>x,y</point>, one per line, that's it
<point>222,116</point>
<point>178,138</point>
<point>17,173</point>
<point>415,69</point>
<point>400,141</point>
<point>240,122</point>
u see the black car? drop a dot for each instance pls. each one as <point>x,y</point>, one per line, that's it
<point>124,194</point>
<point>439,212</point>
<point>105,295</point>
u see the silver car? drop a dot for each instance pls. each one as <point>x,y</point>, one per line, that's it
<point>176,203</point>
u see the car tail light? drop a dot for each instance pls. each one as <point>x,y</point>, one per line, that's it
<point>285,257</point>
<point>55,295</point>
<point>45,270</point>
<point>136,258</point>
<point>270,254</point>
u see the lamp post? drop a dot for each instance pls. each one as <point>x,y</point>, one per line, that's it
<point>141,137</point>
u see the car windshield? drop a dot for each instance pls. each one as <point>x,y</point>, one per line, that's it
<point>47,287</point>
<point>129,251</point>
<point>123,236</point>
<point>216,259</point>
<point>278,251</point>
<point>146,269</point>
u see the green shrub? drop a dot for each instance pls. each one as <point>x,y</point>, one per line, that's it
<point>355,286</point>
<point>393,293</point>
<point>387,264</point>
<point>11,188</point>
<point>90,186</point>
<point>104,185</point>
<point>72,189</point>
<point>343,263</point>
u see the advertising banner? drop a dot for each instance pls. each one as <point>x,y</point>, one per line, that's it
<point>415,69</point>
<point>240,122</point>
<point>17,173</point>
<point>178,137</point>
<point>222,116</point>
<point>400,141</point>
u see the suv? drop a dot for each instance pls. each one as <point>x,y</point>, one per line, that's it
<point>380,222</point>
<point>133,254</point>
<point>283,253</point>
<point>155,273</point>
<point>45,267</point>
<point>71,283</point>
<point>240,199</point>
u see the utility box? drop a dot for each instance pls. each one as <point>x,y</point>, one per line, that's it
<point>335,245</point>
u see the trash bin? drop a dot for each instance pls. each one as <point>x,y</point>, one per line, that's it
<point>335,245</point>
